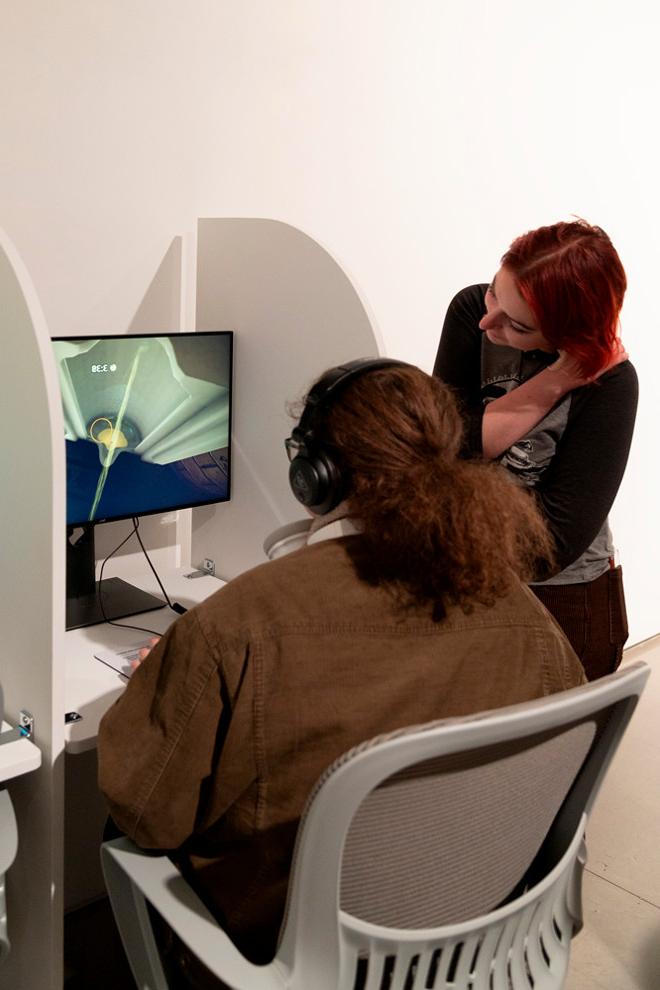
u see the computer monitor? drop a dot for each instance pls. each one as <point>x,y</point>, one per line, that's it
<point>147,424</point>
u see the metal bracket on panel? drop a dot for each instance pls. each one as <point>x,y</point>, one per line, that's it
<point>26,723</point>
<point>208,567</point>
<point>23,730</point>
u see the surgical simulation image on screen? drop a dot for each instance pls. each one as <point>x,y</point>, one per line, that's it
<point>147,422</point>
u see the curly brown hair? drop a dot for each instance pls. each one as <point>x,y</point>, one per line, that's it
<point>436,527</point>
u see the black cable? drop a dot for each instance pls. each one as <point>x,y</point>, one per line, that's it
<point>125,625</point>
<point>136,524</point>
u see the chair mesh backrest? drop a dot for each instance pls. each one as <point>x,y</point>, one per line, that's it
<point>450,838</point>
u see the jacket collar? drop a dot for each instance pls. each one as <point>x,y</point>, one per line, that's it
<point>333,525</point>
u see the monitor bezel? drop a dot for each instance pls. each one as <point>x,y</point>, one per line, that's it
<point>163,333</point>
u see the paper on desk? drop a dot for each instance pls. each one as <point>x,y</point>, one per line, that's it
<point>120,660</point>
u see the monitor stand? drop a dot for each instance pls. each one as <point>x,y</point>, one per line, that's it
<point>88,601</point>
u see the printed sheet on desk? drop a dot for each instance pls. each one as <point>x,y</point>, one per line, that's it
<point>120,660</point>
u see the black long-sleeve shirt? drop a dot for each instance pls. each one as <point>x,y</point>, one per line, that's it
<point>574,459</point>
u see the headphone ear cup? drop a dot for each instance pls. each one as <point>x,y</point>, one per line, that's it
<point>316,482</point>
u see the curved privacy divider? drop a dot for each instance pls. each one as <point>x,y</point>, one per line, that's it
<point>295,313</point>
<point>31,649</point>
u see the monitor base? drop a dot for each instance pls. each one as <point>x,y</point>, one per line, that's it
<point>120,599</point>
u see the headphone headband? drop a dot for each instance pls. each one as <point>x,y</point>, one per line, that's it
<point>315,478</point>
<point>331,383</point>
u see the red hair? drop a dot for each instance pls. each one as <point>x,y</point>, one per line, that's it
<point>572,279</point>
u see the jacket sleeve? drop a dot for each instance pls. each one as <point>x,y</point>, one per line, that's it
<point>577,490</point>
<point>156,743</point>
<point>458,361</point>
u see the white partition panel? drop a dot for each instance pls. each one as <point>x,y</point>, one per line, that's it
<point>32,576</point>
<point>295,313</point>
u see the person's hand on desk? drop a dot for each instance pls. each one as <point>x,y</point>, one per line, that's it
<point>144,652</point>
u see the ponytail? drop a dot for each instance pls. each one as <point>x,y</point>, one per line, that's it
<point>435,527</point>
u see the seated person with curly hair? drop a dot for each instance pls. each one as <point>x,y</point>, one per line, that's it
<point>407,604</point>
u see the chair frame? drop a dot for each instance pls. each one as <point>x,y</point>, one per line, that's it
<point>8,850</point>
<point>319,943</point>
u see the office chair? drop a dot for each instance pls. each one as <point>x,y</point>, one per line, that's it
<point>8,849</point>
<point>8,842</point>
<point>442,855</point>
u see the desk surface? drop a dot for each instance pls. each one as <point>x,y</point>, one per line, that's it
<point>90,686</point>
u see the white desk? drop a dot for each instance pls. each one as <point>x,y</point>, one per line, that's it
<point>90,686</point>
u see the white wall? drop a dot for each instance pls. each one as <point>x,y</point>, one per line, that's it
<point>412,138</point>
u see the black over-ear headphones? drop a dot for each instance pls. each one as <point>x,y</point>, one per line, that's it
<point>315,478</point>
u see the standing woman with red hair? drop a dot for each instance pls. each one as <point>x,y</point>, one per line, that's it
<point>548,390</point>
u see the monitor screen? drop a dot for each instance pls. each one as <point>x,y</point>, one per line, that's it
<point>147,421</point>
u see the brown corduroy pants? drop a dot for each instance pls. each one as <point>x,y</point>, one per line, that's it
<point>593,617</point>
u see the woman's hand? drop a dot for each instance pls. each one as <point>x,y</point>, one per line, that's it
<point>144,652</point>
<point>568,367</point>
<point>565,364</point>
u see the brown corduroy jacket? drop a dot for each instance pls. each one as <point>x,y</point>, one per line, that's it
<point>221,733</point>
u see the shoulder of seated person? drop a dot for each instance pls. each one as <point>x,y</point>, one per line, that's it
<point>271,574</point>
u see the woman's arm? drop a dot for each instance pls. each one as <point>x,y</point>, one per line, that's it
<point>578,488</point>
<point>510,417</point>
<point>458,361</point>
